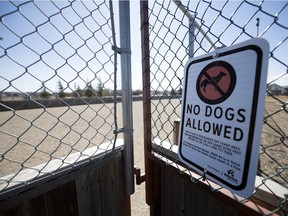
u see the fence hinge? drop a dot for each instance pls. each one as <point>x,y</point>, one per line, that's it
<point>121,50</point>
<point>123,130</point>
<point>139,177</point>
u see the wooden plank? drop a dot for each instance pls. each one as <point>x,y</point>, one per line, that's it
<point>107,181</point>
<point>155,207</point>
<point>62,200</point>
<point>119,185</point>
<point>172,193</point>
<point>112,199</point>
<point>33,207</point>
<point>228,210</point>
<point>215,205</point>
<point>125,201</point>
<point>89,193</point>
<point>164,194</point>
<point>36,206</point>
<point>176,126</point>
<point>190,207</point>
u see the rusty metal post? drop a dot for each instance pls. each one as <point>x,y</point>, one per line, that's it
<point>146,96</point>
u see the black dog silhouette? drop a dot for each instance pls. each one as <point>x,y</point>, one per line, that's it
<point>209,81</point>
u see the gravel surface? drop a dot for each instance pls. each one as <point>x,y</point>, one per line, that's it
<point>47,138</point>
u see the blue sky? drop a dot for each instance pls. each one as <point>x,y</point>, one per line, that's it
<point>222,31</point>
<point>51,43</point>
<point>34,59</point>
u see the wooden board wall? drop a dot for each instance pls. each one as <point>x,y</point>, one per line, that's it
<point>99,191</point>
<point>178,195</point>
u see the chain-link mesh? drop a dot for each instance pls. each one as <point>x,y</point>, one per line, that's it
<point>54,53</point>
<point>221,23</point>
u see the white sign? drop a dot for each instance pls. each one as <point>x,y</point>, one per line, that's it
<point>222,114</point>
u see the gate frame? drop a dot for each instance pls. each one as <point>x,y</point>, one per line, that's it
<point>155,166</point>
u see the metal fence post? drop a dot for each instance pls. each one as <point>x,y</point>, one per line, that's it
<point>146,97</point>
<point>125,49</point>
<point>193,25</point>
<point>192,28</point>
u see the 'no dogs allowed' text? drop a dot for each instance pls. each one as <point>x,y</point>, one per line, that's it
<point>223,105</point>
<point>218,129</point>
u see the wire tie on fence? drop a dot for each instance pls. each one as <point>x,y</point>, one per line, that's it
<point>121,50</point>
<point>204,175</point>
<point>123,130</point>
<point>215,55</point>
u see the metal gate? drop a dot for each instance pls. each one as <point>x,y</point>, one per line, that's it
<point>59,106</point>
<point>172,32</point>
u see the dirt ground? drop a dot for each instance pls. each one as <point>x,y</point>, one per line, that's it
<point>274,145</point>
<point>32,137</point>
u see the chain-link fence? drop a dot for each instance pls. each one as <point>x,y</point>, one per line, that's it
<point>55,54</point>
<point>218,24</point>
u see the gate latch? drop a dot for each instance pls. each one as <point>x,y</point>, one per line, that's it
<point>139,177</point>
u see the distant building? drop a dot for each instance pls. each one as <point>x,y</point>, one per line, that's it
<point>276,89</point>
<point>12,96</point>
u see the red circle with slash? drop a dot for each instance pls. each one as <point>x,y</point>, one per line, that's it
<point>216,82</point>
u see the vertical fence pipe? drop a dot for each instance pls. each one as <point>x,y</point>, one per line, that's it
<point>146,97</point>
<point>192,28</point>
<point>191,19</point>
<point>125,47</point>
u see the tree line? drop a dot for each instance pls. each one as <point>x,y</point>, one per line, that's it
<point>88,91</point>
<point>98,91</point>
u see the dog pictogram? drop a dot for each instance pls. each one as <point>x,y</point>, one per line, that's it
<point>216,82</point>
<point>209,81</point>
